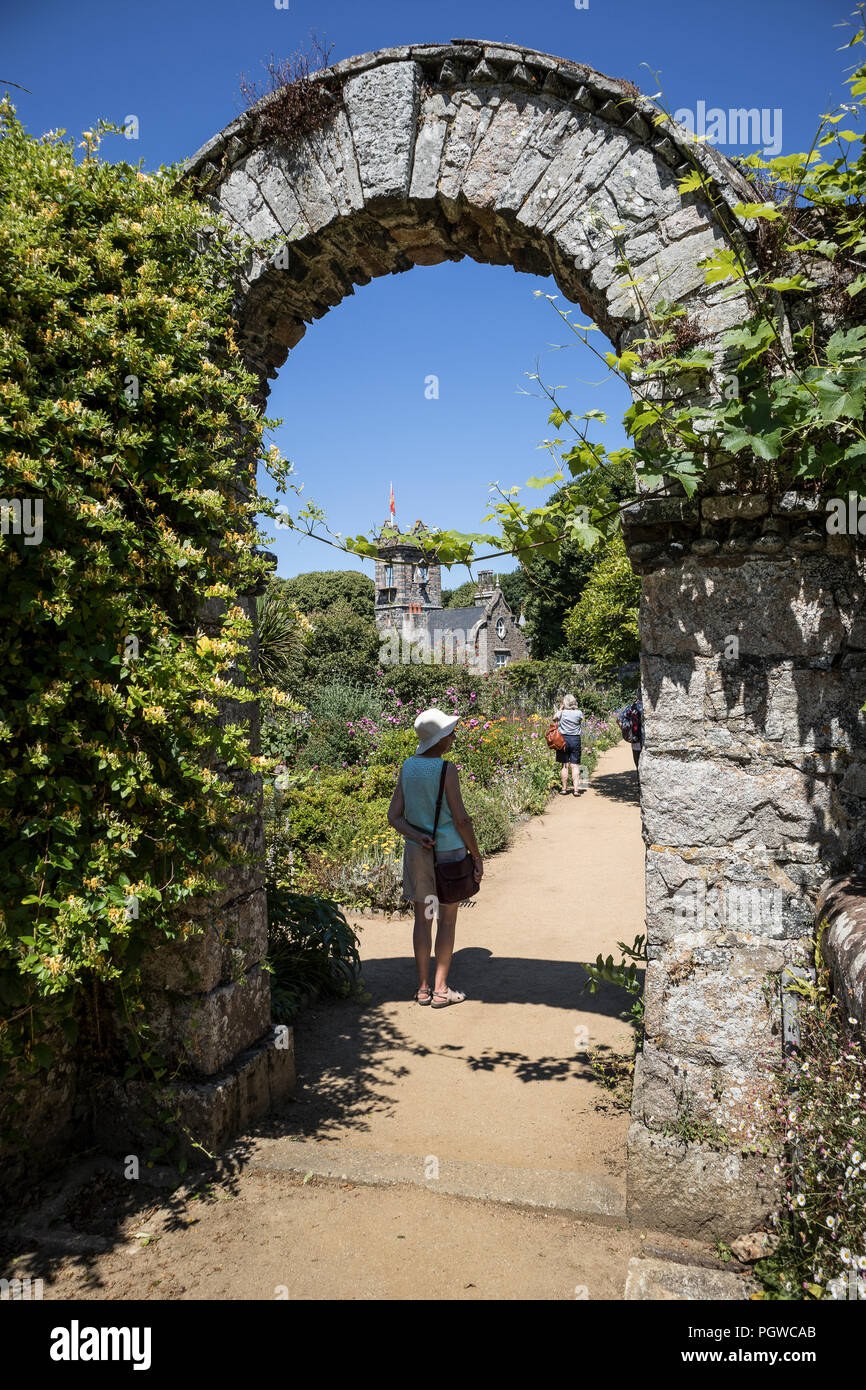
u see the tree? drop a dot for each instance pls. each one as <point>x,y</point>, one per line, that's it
<point>602,627</point>
<point>319,590</point>
<point>461,597</point>
<point>514,588</point>
<point>552,586</point>
<point>342,646</point>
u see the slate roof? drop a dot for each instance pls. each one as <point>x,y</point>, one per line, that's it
<point>440,619</point>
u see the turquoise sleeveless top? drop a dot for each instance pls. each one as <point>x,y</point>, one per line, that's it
<point>420,779</point>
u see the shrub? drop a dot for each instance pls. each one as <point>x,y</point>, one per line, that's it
<point>317,591</point>
<point>283,730</point>
<point>311,947</point>
<point>342,649</point>
<point>333,711</point>
<point>423,687</point>
<point>369,879</point>
<point>298,105</point>
<point>490,818</point>
<point>393,747</point>
<point>282,638</point>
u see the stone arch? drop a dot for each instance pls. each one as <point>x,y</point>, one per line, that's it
<point>496,152</point>
<point>516,157</point>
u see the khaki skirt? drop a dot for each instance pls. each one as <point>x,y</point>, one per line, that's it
<point>419,870</point>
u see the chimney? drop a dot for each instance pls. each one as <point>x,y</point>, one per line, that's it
<point>486,585</point>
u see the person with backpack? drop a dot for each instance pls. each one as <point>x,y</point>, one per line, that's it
<point>631,724</point>
<point>569,721</point>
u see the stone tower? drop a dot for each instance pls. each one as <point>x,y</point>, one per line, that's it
<point>406,583</point>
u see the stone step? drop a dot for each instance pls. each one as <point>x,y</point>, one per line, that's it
<point>578,1194</point>
<point>670,1280</point>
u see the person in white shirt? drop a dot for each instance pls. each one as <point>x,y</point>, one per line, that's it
<point>569,720</point>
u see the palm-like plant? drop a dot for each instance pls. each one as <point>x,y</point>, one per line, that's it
<point>283,637</point>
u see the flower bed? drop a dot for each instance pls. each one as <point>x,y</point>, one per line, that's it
<point>328,833</point>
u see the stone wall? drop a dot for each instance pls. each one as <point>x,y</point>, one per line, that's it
<point>753,791</point>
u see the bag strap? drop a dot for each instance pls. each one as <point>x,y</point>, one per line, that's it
<point>439,798</point>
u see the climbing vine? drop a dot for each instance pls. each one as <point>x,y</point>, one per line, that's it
<point>123,402</point>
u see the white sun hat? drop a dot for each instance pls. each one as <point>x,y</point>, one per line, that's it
<point>431,725</point>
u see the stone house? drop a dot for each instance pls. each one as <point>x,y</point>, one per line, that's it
<point>414,626</point>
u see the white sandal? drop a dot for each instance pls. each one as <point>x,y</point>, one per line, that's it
<point>447,996</point>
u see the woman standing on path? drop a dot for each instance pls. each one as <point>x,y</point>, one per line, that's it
<point>413,807</point>
<point>570,721</point>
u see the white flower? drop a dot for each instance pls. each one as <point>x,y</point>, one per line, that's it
<point>860,1261</point>
<point>845,1255</point>
<point>856,1156</point>
<point>831,1221</point>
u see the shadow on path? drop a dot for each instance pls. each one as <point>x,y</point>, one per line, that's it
<point>352,1055</point>
<point>618,786</point>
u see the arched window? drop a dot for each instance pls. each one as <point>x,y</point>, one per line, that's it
<point>500,628</point>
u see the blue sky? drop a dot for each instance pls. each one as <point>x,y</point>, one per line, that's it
<point>352,394</point>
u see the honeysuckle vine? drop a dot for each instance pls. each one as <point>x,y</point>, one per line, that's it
<point>123,403</point>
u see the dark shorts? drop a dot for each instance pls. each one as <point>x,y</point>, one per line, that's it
<point>571,752</point>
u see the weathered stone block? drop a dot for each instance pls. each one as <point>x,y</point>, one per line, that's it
<point>733,507</point>
<point>382,107</point>
<point>705,898</point>
<point>715,1005</point>
<point>693,1190</point>
<point>778,610</point>
<point>232,940</point>
<point>207,1031</point>
<point>133,1116</point>
<point>703,803</point>
<point>733,1100</point>
<point>669,1280</point>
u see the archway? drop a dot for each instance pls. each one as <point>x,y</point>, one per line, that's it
<point>515,157</point>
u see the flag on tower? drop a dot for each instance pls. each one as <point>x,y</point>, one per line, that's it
<point>392,509</point>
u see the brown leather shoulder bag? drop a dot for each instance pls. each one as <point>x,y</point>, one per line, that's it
<point>455,881</point>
